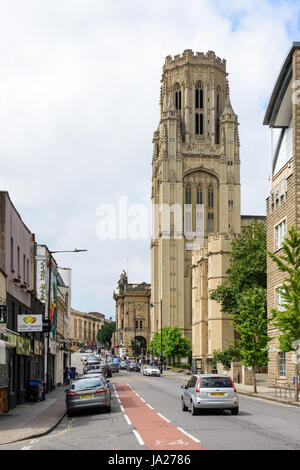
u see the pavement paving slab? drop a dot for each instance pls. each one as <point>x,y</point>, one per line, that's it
<point>33,419</point>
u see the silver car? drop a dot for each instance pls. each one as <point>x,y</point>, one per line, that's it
<point>209,391</point>
<point>151,370</point>
<point>87,392</point>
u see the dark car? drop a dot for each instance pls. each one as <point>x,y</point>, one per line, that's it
<point>114,367</point>
<point>133,366</point>
<point>106,370</point>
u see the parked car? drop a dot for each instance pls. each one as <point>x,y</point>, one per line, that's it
<point>87,392</point>
<point>98,374</point>
<point>106,370</point>
<point>114,367</point>
<point>133,366</point>
<point>209,391</point>
<point>151,370</point>
<point>89,365</point>
<point>123,364</point>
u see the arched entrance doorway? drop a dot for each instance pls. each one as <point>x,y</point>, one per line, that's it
<point>139,346</point>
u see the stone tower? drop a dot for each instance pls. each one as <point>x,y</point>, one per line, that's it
<point>195,164</point>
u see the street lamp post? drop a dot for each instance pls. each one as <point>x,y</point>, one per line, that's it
<point>48,312</point>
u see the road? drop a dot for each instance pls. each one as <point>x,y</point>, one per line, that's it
<point>146,414</point>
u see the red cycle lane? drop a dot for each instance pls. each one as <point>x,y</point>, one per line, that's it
<point>156,432</point>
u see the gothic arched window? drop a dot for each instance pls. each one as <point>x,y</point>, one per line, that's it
<point>199,195</point>
<point>188,195</point>
<point>199,95</point>
<point>210,196</point>
<point>210,226</point>
<point>199,126</point>
<point>218,116</point>
<point>177,96</point>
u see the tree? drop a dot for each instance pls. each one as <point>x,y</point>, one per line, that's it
<point>105,333</point>
<point>286,318</point>
<point>173,344</point>
<point>176,345</point>
<point>248,267</point>
<point>243,295</point>
<point>252,325</point>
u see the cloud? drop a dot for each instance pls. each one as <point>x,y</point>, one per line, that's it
<point>80,85</point>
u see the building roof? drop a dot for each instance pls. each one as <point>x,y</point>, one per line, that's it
<point>280,87</point>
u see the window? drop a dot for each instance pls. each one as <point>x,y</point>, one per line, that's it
<point>199,96</point>
<point>136,324</point>
<point>210,197</point>
<point>188,195</point>
<point>282,364</point>
<point>177,97</point>
<point>141,324</point>
<point>199,195</point>
<point>210,222</point>
<point>280,232</point>
<point>199,126</point>
<point>279,300</point>
<point>218,118</point>
<point>24,268</point>
<point>18,261</point>
<point>12,254</point>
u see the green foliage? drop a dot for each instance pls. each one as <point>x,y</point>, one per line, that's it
<point>173,344</point>
<point>243,295</point>
<point>232,353</point>
<point>252,325</point>
<point>248,267</point>
<point>105,333</point>
<point>287,318</point>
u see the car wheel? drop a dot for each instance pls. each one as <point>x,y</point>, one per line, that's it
<point>183,407</point>
<point>194,410</point>
<point>108,409</point>
<point>235,411</point>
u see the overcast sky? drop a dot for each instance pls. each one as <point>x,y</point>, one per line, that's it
<point>79,102</point>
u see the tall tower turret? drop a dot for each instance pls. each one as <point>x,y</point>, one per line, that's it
<point>195,164</point>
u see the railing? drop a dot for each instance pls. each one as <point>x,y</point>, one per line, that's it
<point>284,390</point>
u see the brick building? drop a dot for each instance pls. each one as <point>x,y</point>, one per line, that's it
<point>283,204</point>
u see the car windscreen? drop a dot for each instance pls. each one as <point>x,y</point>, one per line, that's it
<point>215,382</point>
<point>86,383</point>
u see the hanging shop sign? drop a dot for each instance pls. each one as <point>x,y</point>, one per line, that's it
<point>30,323</point>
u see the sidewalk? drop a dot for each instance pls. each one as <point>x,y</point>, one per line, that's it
<point>33,419</point>
<point>263,391</point>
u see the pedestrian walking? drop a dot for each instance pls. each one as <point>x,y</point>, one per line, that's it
<point>66,376</point>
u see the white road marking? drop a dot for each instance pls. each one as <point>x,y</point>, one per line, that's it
<point>127,419</point>
<point>143,399</point>
<point>137,435</point>
<point>122,409</point>
<point>26,448</point>
<point>151,408</point>
<point>168,421</point>
<point>189,435</point>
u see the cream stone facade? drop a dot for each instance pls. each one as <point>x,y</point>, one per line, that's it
<point>132,335</point>
<point>195,169</point>
<point>283,205</point>
<point>85,326</point>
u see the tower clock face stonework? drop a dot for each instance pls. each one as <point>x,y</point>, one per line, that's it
<point>195,185</point>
